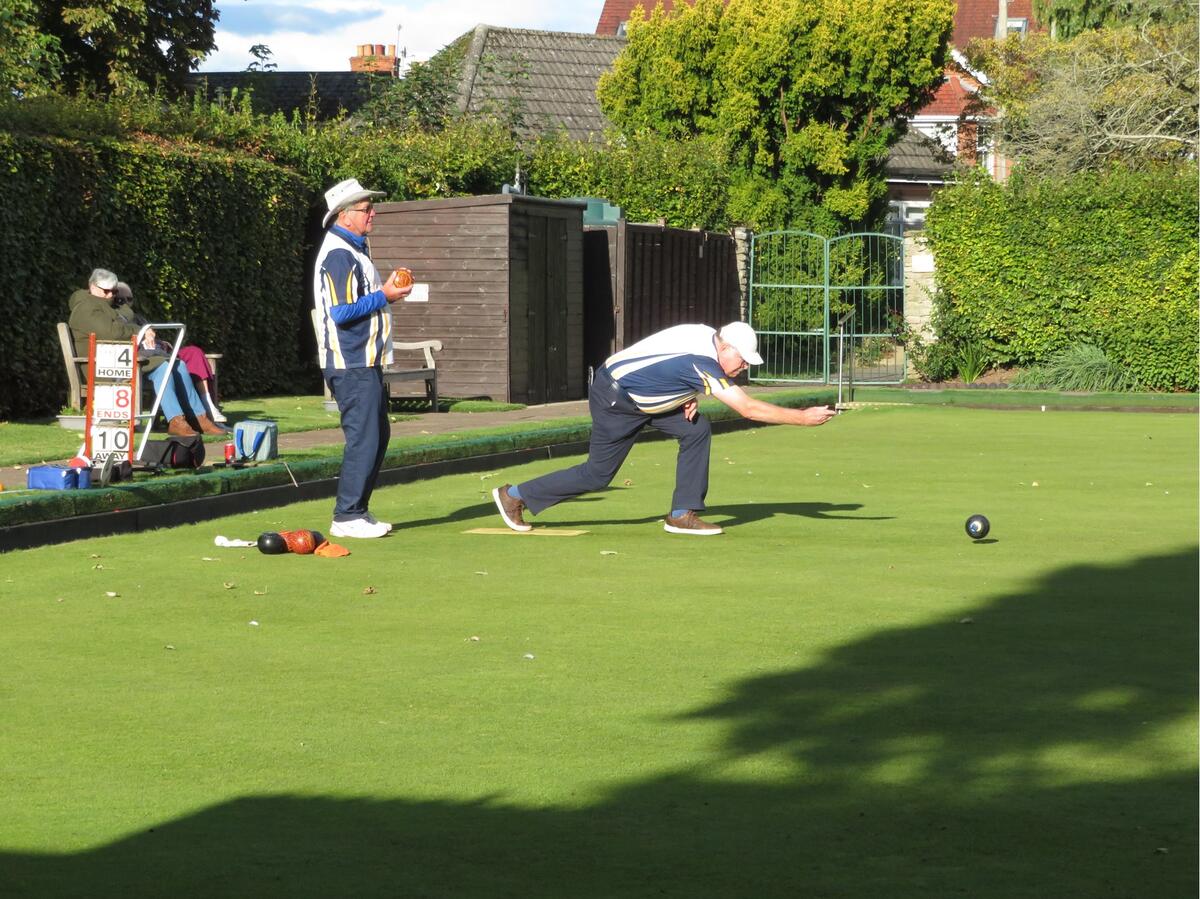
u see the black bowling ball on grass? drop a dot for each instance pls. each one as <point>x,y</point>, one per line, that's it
<point>978,527</point>
<point>271,543</point>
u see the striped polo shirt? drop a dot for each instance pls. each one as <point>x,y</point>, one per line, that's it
<point>354,327</point>
<point>665,370</point>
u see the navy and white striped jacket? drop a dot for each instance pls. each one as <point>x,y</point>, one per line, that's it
<point>665,370</point>
<point>354,321</point>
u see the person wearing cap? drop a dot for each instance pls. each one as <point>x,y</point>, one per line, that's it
<point>96,311</point>
<point>657,381</point>
<point>354,343</point>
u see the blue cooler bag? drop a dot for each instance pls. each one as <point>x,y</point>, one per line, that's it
<point>57,477</point>
<point>255,440</point>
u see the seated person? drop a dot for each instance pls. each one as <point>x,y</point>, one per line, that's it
<point>93,312</point>
<point>191,356</point>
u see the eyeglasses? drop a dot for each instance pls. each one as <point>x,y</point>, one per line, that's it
<point>366,210</point>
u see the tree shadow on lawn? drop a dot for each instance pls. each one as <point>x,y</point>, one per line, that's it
<point>951,758</point>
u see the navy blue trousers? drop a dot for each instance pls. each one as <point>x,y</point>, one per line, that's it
<point>616,423</point>
<point>363,403</point>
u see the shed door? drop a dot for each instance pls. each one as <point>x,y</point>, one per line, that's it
<point>547,310</point>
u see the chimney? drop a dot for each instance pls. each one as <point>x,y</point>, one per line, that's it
<point>372,58</point>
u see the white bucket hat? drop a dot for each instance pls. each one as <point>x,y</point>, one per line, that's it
<point>742,338</point>
<point>343,194</point>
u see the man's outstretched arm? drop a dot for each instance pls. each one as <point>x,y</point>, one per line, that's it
<point>768,413</point>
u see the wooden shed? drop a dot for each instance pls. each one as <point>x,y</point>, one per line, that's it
<point>641,278</point>
<point>505,276</point>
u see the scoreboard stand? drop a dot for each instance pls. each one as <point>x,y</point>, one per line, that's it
<point>114,388</point>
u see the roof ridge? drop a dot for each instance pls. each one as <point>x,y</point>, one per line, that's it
<point>466,82</point>
<point>579,34</point>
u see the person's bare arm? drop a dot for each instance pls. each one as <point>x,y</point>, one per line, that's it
<point>768,413</point>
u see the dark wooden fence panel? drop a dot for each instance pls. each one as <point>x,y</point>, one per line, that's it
<point>643,278</point>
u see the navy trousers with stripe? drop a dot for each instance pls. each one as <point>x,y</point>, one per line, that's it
<point>362,400</point>
<point>616,423</point>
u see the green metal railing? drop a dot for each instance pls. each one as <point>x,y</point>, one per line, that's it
<point>801,284</point>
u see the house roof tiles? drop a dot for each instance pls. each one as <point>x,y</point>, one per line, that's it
<point>548,77</point>
<point>916,157</point>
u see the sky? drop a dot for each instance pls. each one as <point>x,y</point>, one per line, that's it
<point>322,35</point>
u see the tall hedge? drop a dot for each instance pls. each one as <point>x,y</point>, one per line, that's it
<point>212,238</point>
<point>1033,266</point>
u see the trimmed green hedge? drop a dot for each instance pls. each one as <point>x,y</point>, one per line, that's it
<point>1032,266</point>
<point>212,238</point>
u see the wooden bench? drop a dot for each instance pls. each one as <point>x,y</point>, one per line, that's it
<point>76,366</point>
<point>398,372</point>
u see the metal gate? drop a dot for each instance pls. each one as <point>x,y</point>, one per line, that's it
<point>802,285</point>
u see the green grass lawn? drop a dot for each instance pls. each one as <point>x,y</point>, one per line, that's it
<point>843,696</point>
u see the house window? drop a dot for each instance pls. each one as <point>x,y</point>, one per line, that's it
<point>905,215</point>
<point>621,29</point>
<point>1018,26</point>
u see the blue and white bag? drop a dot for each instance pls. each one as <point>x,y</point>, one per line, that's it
<point>57,477</point>
<point>255,440</point>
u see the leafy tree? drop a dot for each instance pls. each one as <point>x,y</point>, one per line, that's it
<point>126,45</point>
<point>29,59</point>
<point>1067,18</point>
<point>808,95</point>
<point>1106,96</point>
<point>262,59</point>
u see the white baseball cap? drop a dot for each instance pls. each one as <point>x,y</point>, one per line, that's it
<point>742,338</point>
<point>343,194</point>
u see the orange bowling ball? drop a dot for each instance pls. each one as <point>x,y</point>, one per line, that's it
<point>300,542</point>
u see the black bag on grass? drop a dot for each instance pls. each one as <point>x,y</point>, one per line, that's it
<point>175,452</point>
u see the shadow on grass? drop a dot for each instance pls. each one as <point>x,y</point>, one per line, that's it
<point>733,514</point>
<point>727,514</point>
<point>965,757</point>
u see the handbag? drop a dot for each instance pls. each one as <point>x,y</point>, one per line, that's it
<point>255,440</point>
<point>174,452</point>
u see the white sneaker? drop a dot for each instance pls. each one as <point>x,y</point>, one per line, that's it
<point>217,415</point>
<point>371,518</point>
<point>358,527</point>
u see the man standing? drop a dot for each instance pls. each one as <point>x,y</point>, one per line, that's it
<point>354,343</point>
<point>656,382</point>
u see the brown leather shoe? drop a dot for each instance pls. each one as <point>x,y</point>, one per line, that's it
<point>689,523</point>
<point>208,426</point>
<point>179,427</point>
<point>510,508</point>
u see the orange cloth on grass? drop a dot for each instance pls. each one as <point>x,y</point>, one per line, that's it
<point>331,550</point>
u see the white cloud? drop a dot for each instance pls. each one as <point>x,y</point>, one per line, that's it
<point>424,28</point>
